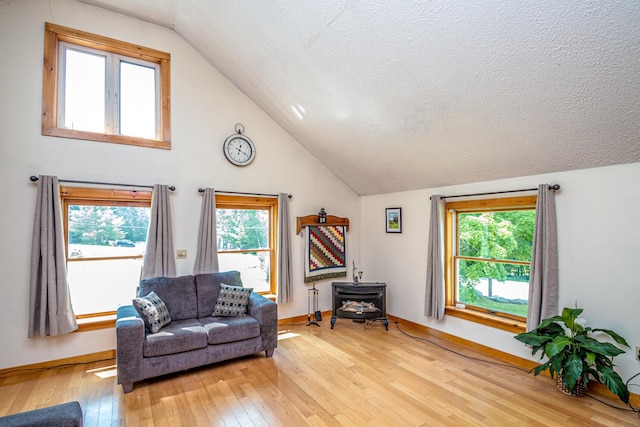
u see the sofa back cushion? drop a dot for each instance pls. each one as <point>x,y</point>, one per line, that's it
<point>208,289</point>
<point>178,294</point>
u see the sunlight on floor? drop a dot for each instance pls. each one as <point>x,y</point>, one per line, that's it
<point>283,335</point>
<point>105,372</point>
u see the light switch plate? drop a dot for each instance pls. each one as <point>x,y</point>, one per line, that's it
<point>181,254</point>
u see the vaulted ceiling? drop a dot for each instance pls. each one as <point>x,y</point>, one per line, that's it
<point>402,95</point>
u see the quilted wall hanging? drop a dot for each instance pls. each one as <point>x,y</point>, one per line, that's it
<point>325,252</point>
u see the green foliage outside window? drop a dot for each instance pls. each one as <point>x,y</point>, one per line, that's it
<point>241,229</point>
<point>487,237</point>
<point>103,225</point>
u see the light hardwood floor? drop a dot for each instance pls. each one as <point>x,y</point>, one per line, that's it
<point>353,375</point>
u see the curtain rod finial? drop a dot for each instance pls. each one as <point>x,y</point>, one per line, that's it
<point>33,178</point>
<point>555,187</point>
<point>200,190</point>
<point>172,188</point>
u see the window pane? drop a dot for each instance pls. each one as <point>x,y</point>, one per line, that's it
<point>84,97</point>
<point>103,232</point>
<point>253,267</point>
<point>99,286</point>
<point>503,235</point>
<point>137,100</point>
<point>498,287</point>
<point>241,229</point>
<point>107,230</point>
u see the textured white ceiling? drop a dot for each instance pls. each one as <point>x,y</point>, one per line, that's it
<point>402,95</point>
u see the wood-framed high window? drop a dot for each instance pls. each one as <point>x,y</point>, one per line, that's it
<point>246,228</point>
<point>105,238</point>
<point>487,260</point>
<point>101,89</point>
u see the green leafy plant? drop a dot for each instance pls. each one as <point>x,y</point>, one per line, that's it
<point>574,354</point>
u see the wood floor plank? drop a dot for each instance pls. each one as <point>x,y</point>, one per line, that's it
<point>354,375</point>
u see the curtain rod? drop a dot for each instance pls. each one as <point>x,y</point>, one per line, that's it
<point>34,178</point>
<point>554,187</point>
<point>201,190</point>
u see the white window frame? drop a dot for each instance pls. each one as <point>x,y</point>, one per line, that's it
<point>57,40</point>
<point>112,86</point>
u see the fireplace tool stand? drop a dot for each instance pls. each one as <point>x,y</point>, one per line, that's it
<point>312,307</point>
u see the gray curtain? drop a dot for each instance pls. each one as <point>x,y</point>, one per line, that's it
<point>207,254</point>
<point>50,310</point>
<point>158,256</point>
<point>543,281</point>
<point>434,297</point>
<point>285,288</point>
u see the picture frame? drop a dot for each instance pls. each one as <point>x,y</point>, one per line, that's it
<point>393,220</point>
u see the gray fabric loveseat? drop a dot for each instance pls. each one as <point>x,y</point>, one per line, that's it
<point>193,337</point>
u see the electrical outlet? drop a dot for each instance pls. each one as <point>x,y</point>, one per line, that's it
<point>181,254</point>
<point>638,352</point>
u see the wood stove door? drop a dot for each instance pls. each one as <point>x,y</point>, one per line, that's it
<point>366,301</point>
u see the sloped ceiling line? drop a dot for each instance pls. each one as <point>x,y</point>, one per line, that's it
<point>429,94</point>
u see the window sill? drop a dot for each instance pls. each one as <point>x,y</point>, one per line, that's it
<point>487,319</point>
<point>103,137</point>
<point>272,297</point>
<point>95,323</point>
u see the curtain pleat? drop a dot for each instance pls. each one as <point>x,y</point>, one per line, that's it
<point>207,252</point>
<point>158,256</point>
<point>50,310</point>
<point>434,297</point>
<point>543,281</point>
<point>285,288</point>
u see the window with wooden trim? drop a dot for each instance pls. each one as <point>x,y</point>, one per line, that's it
<point>105,238</point>
<point>101,89</point>
<point>488,256</point>
<point>246,229</point>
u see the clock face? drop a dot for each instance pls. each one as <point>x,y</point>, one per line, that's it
<point>239,150</point>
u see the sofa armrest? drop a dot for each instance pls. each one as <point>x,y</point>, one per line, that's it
<point>265,311</point>
<point>64,414</point>
<point>130,333</point>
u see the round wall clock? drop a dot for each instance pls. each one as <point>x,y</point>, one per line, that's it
<point>239,149</point>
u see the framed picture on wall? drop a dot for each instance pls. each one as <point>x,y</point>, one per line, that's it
<point>394,220</point>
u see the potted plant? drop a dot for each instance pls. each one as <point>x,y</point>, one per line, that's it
<point>575,355</point>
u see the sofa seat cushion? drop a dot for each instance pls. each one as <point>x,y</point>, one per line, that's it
<point>221,330</point>
<point>178,336</point>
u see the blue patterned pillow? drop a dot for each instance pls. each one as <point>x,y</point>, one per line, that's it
<point>153,311</point>
<point>232,301</point>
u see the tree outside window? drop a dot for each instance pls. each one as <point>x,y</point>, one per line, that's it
<point>488,256</point>
<point>494,260</point>
<point>246,233</point>
<point>106,233</point>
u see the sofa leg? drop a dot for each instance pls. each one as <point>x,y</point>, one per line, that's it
<point>269,352</point>
<point>127,388</point>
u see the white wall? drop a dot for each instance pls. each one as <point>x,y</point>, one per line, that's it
<point>205,108</point>
<point>599,251</point>
<point>597,208</point>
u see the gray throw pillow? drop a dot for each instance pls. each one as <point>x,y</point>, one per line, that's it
<point>153,311</point>
<point>232,301</point>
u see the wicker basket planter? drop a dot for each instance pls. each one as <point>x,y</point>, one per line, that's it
<point>579,391</point>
